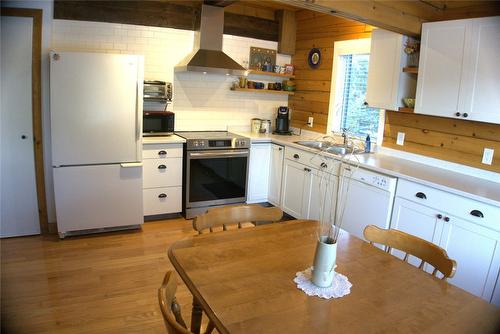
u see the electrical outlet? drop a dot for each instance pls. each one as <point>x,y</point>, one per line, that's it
<point>401,138</point>
<point>310,121</point>
<point>488,156</point>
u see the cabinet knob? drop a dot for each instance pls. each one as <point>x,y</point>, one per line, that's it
<point>296,156</point>
<point>365,103</point>
<point>446,219</point>
<point>162,152</point>
<point>457,114</point>
<point>465,114</point>
<point>421,195</point>
<point>162,195</point>
<point>477,213</point>
<point>439,216</point>
<point>280,149</point>
<point>162,167</point>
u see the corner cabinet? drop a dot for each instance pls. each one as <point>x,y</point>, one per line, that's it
<point>275,174</point>
<point>458,70</point>
<point>258,172</point>
<point>387,83</point>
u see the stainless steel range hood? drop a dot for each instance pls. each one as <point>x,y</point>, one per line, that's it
<point>207,55</point>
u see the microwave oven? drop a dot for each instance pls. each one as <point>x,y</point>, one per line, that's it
<point>158,123</point>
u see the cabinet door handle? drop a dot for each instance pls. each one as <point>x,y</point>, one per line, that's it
<point>446,219</point>
<point>465,115</point>
<point>421,195</point>
<point>439,216</point>
<point>162,195</point>
<point>296,156</point>
<point>477,213</point>
<point>307,169</point>
<point>280,149</point>
<point>162,167</point>
<point>162,152</point>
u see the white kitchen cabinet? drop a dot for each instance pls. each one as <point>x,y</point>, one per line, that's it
<point>258,172</point>
<point>162,178</point>
<point>387,84</point>
<point>477,252</point>
<point>323,196</point>
<point>296,189</point>
<point>458,70</point>
<point>275,174</point>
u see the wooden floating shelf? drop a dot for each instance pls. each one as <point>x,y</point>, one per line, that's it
<point>412,69</point>
<point>406,110</point>
<point>252,90</point>
<point>271,74</point>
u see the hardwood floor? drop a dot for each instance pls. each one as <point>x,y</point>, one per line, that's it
<point>103,283</point>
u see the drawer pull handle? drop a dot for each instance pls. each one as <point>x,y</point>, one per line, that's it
<point>162,195</point>
<point>421,195</point>
<point>477,213</point>
<point>458,114</point>
<point>162,167</point>
<point>296,156</point>
<point>465,115</point>
<point>439,216</point>
<point>162,152</point>
<point>324,165</point>
<point>307,169</point>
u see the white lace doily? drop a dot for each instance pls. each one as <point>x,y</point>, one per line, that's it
<point>339,288</point>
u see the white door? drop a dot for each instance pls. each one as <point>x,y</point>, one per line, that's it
<point>18,197</point>
<point>276,174</point>
<point>485,84</point>
<point>258,173</point>
<point>440,74</point>
<point>296,189</point>
<point>94,108</point>
<point>98,196</point>
<point>418,220</point>
<point>477,252</point>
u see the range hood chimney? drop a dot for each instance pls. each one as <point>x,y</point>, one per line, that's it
<point>207,55</point>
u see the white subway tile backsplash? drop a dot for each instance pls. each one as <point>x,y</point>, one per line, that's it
<point>201,102</point>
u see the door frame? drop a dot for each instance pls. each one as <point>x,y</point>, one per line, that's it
<point>36,105</point>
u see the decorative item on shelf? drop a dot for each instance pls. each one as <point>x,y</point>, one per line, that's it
<point>289,85</point>
<point>250,84</point>
<point>412,47</point>
<point>314,58</point>
<point>259,57</point>
<point>277,86</point>
<point>255,124</point>
<point>271,86</point>
<point>277,69</point>
<point>289,69</point>
<point>409,102</point>
<point>243,82</point>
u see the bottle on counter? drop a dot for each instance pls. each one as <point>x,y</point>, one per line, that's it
<point>368,144</point>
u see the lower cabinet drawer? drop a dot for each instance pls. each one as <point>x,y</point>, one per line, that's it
<point>162,172</point>
<point>162,200</point>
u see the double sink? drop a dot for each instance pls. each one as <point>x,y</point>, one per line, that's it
<point>328,147</point>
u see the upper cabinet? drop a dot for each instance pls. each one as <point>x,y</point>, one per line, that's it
<point>458,73</point>
<point>387,83</point>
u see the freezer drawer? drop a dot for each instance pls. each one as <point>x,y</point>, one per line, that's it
<point>89,197</point>
<point>162,200</point>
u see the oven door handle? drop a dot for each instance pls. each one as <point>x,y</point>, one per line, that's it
<point>217,154</point>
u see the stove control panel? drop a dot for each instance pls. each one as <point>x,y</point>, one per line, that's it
<point>217,144</point>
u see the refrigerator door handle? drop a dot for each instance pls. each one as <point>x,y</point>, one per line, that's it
<point>131,164</point>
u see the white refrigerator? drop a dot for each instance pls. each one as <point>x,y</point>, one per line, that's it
<point>96,126</point>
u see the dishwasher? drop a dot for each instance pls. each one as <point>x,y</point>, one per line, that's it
<point>366,198</point>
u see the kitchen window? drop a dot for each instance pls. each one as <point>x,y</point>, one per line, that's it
<point>347,101</point>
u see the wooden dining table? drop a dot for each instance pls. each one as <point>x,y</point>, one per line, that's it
<point>243,281</point>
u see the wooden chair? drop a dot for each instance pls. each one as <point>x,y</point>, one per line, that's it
<point>235,215</point>
<point>170,308</point>
<point>427,252</point>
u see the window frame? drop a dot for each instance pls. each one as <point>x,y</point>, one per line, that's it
<point>341,48</point>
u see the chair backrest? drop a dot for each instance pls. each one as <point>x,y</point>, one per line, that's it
<point>169,307</point>
<point>411,245</point>
<point>235,214</point>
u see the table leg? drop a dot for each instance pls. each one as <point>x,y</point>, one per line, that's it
<point>196,315</point>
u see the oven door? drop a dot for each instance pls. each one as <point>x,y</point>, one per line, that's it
<point>216,177</point>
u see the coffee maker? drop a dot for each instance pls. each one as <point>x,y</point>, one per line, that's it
<point>283,121</point>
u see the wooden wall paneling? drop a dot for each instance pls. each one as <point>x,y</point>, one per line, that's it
<point>448,139</point>
<point>287,31</point>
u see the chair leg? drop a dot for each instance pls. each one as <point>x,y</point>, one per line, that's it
<point>196,315</point>
<point>210,327</point>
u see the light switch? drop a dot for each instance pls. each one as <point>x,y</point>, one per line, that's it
<point>401,138</point>
<point>488,156</point>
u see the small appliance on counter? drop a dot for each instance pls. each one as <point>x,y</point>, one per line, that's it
<point>283,121</point>
<point>157,121</point>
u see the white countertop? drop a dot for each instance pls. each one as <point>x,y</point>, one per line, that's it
<point>440,178</point>
<point>173,139</point>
